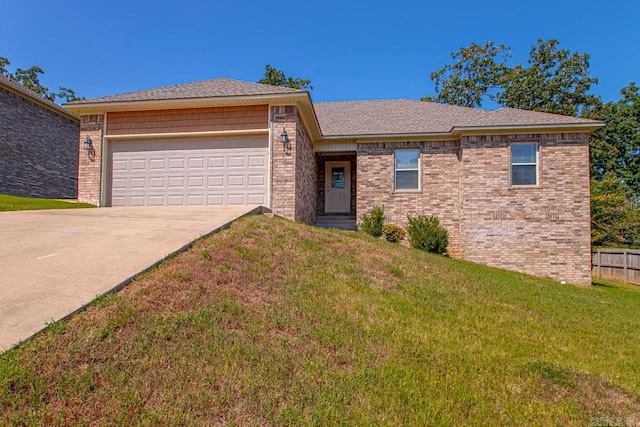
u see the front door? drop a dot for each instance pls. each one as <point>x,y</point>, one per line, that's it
<point>337,187</point>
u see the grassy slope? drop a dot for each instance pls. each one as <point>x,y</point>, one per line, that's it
<point>273,322</point>
<point>15,203</point>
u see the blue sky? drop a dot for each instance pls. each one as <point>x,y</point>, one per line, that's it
<point>351,50</point>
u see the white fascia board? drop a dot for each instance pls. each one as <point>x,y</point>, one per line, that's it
<point>458,131</point>
<point>164,104</point>
<point>557,127</point>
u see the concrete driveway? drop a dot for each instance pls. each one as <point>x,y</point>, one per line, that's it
<point>54,262</point>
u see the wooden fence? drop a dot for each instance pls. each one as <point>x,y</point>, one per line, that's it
<point>617,264</point>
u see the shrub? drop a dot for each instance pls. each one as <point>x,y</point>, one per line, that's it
<point>373,222</point>
<point>426,233</point>
<point>393,233</point>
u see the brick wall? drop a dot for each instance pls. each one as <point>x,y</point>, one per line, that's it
<point>38,149</point>
<point>90,167</point>
<point>306,177</point>
<point>293,173</point>
<point>439,193</point>
<point>543,230</point>
<point>189,120</point>
<point>321,161</point>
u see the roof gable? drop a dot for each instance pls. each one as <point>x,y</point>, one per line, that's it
<point>220,87</point>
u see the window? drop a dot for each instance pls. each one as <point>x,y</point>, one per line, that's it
<point>407,169</point>
<point>524,163</point>
<point>337,177</point>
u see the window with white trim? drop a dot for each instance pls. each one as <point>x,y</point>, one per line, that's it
<point>524,163</point>
<point>407,170</point>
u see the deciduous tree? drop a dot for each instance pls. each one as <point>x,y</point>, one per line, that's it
<point>554,80</point>
<point>474,74</point>
<point>30,78</point>
<point>615,148</point>
<point>615,217</point>
<point>276,77</point>
<point>4,62</point>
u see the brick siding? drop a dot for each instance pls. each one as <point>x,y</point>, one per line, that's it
<point>544,230</point>
<point>38,149</point>
<point>90,168</point>
<point>293,168</point>
<point>306,178</point>
<point>439,193</point>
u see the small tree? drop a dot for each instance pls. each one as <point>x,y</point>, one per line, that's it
<point>426,233</point>
<point>615,219</point>
<point>373,222</point>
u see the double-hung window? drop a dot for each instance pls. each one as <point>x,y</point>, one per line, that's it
<point>524,163</point>
<point>407,170</point>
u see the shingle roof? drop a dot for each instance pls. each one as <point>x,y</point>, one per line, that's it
<point>219,87</point>
<point>351,118</point>
<point>28,93</point>
<point>405,116</point>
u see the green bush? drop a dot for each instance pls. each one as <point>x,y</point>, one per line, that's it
<point>373,222</point>
<point>393,233</point>
<point>426,233</point>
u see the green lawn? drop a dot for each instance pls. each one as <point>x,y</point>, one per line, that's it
<point>276,323</point>
<point>15,203</point>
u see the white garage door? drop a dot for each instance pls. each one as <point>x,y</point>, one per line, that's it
<point>230,171</point>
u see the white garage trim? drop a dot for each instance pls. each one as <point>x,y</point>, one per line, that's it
<point>231,170</point>
<point>217,133</point>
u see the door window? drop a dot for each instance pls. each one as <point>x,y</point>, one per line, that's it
<point>337,177</point>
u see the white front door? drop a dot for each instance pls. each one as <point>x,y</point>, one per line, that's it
<point>337,187</point>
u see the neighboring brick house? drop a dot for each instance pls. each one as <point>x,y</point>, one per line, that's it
<point>38,145</point>
<point>510,186</point>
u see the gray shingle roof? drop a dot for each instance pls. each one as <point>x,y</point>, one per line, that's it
<point>219,87</point>
<point>351,118</point>
<point>405,116</point>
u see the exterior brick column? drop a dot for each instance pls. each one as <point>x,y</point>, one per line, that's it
<point>293,167</point>
<point>283,161</point>
<point>90,163</point>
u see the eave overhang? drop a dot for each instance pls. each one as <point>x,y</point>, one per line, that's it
<point>459,131</point>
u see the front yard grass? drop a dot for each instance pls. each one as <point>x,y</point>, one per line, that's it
<point>275,323</point>
<point>16,203</point>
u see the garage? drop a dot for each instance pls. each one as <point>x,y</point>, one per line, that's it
<point>196,172</point>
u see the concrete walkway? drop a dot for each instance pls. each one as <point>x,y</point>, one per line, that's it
<point>54,262</point>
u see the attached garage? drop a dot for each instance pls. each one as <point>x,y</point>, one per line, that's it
<point>212,143</point>
<point>190,172</point>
